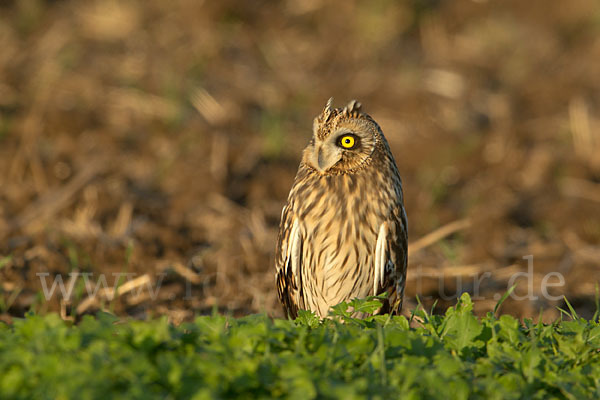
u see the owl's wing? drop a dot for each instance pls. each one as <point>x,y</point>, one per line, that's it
<point>289,263</point>
<point>390,260</point>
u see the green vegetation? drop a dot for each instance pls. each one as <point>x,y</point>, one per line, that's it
<point>455,356</point>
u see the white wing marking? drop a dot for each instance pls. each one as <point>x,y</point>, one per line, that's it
<point>380,257</point>
<point>293,254</point>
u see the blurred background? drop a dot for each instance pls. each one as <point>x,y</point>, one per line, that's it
<point>160,139</point>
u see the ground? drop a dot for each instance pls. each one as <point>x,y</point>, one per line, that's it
<point>158,141</point>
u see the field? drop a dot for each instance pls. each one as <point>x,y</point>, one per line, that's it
<point>455,356</point>
<point>147,148</point>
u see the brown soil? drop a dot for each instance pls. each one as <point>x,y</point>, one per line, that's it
<point>160,139</point>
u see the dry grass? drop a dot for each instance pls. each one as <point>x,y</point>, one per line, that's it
<point>160,139</point>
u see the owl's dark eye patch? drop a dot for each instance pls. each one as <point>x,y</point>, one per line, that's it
<point>348,141</point>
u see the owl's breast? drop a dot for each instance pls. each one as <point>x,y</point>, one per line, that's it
<point>339,222</point>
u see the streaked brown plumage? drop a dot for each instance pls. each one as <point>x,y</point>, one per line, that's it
<point>343,232</point>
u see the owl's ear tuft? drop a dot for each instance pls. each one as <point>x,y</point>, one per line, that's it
<point>329,104</point>
<point>327,111</point>
<point>352,108</point>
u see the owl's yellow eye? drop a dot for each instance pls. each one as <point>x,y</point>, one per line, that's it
<point>347,141</point>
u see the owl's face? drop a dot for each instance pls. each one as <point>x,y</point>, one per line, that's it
<point>343,140</point>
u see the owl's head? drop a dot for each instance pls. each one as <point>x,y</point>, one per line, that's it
<point>344,139</point>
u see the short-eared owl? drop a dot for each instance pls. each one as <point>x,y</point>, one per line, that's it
<point>343,232</point>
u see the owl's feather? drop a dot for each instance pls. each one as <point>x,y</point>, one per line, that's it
<point>289,256</point>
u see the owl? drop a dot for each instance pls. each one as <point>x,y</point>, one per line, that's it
<point>343,232</point>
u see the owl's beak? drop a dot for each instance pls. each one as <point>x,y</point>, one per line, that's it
<point>325,157</point>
